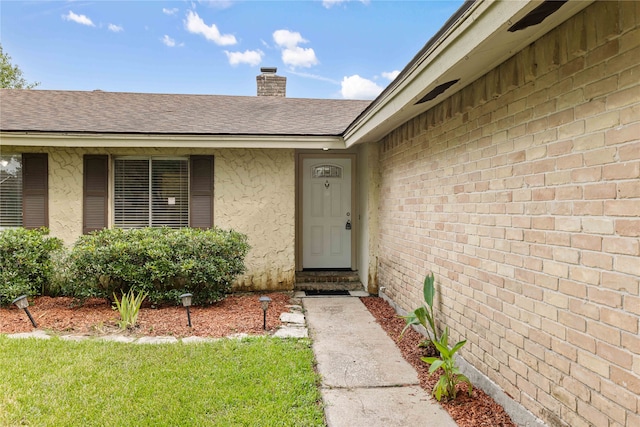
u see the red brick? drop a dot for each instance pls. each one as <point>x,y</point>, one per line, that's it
<point>584,275</point>
<point>627,170</point>
<point>586,377</point>
<point>628,190</point>
<point>601,87</point>
<point>613,410</point>
<point>600,191</point>
<point>622,207</point>
<point>591,174</point>
<point>606,297</point>
<point>629,152</point>
<point>632,304</point>
<point>620,282</point>
<point>622,134</point>
<point>588,208</point>
<point>597,260</point>
<point>585,241</point>
<point>630,392</point>
<point>621,245</point>
<point>619,319</point>
<point>628,227</point>
<point>584,308</point>
<point>594,363</point>
<point>600,157</point>
<point>627,264</point>
<point>598,225</point>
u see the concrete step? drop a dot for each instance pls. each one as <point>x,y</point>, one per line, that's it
<point>328,280</point>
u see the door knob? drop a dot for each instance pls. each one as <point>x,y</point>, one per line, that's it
<point>348,225</point>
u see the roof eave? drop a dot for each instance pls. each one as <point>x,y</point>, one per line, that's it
<point>473,42</point>
<point>129,140</point>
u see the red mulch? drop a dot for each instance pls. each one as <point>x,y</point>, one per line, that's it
<point>239,314</point>
<point>479,410</point>
<point>235,314</point>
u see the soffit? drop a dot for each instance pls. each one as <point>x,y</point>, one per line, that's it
<point>474,42</point>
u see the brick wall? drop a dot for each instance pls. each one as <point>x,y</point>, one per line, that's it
<point>522,194</point>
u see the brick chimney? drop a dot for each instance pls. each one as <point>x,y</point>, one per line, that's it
<point>269,84</point>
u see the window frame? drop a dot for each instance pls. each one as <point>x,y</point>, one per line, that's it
<point>150,200</point>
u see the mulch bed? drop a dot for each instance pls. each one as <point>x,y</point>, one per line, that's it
<point>239,314</point>
<point>236,314</point>
<point>479,410</point>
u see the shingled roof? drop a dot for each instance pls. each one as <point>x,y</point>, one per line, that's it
<point>143,113</point>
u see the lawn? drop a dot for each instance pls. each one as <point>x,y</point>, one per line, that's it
<point>251,382</point>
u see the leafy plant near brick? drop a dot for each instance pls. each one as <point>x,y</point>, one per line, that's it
<point>446,385</point>
<point>160,262</point>
<point>25,262</point>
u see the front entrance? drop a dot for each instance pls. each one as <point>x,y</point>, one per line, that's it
<point>327,217</point>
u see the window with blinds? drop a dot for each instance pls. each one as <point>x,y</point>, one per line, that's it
<point>151,192</point>
<point>10,191</point>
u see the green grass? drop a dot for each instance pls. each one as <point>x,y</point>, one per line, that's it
<point>251,382</point>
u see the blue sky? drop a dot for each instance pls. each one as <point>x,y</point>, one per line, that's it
<point>326,49</point>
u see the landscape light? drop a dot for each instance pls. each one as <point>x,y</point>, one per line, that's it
<point>264,302</point>
<point>186,302</point>
<point>23,303</point>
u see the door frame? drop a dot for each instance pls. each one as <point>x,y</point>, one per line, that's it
<point>355,223</point>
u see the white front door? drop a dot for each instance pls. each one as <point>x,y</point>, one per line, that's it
<point>327,217</point>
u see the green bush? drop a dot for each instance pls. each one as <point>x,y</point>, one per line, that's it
<point>160,262</point>
<point>25,262</point>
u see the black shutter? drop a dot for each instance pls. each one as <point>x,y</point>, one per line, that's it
<point>95,192</point>
<point>35,195</point>
<point>201,208</point>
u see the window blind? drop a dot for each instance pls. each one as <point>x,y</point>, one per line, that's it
<point>151,193</point>
<point>11,190</point>
<point>170,190</point>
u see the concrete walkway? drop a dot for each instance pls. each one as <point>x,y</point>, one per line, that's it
<point>365,380</point>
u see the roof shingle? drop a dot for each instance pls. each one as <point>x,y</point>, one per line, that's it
<point>118,112</point>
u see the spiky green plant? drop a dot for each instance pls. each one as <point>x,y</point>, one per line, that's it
<point>129,308</point>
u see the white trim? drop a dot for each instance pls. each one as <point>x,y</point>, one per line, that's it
<point>51,139</point>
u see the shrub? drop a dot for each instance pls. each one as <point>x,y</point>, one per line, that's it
<point>25,262</point>
<point>160,262</point>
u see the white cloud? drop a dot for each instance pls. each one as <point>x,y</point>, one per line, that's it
<point>391,75</point>
<point>168,41</point>
<point>250,57</point>
<point>287,39</point>
<point>115,28</point>
<point>218,4</point>
<point>330,3</point>
<point>196,25</point>
<point>80,19</point>
<point>171,11</point>
<point>299,57</point>
<point>292,54</point>
<point>356,87</point>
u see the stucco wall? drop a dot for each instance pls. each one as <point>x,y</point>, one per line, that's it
<point>368,189</point>
<point>253,190</point>
<point>522,194</point>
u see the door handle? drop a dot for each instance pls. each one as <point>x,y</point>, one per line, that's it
<point>348,225</point>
